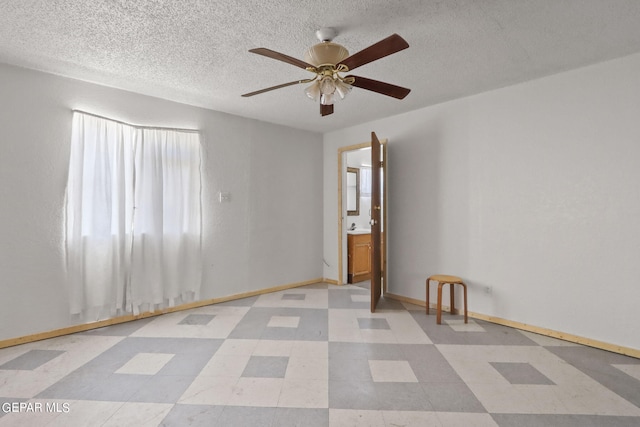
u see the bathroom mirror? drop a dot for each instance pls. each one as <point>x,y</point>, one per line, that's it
<point>353,191</point>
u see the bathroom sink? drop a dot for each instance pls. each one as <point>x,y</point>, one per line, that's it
<point>359,231</point>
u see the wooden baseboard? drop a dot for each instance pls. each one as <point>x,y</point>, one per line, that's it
<point>627,351</point>
<point>128,318</point>
<point>405,299</point>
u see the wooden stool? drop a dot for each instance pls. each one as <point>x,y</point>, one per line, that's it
<point>451,280</point>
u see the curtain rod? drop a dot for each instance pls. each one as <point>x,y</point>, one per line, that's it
<point>135,126</point>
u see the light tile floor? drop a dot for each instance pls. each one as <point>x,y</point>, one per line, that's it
<point>314,356</point>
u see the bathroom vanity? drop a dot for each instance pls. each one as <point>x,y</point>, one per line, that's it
<point>359,255</point>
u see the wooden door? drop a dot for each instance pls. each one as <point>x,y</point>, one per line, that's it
<point>376,223</point>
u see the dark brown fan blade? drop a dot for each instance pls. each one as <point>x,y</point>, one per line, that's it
<point>325,110</point>
<point>275,87</point>
<point>380,87</point>
<point>281,57</point>
<point>392,44</point>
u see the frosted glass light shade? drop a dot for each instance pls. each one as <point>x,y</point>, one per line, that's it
<point>313,91</point>
<point>342,89</point>
<point>326,89</point>
<point>327,99</point>
<point>327,85</point>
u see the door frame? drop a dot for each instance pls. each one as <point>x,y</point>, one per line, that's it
<point>342,232</point>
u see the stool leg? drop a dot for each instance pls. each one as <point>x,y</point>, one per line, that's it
<point>439,309</point>
<point>452,296</point>
<point>427,296</point>
<point>465,302</point>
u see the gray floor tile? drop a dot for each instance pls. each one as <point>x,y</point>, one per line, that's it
<point>248,329</point>
<point>521,373</point>
<point>278,333</point>
<point>192,416</point>
<point>342,299</point>
<point>301,417</point>
<point>312,334</point>
<point>266,367</point>
<point>186,364</point>
<point>162,389</point>
<point>97,380</point>
<point>190,354</point>
<point>373,323</point>
<point>387,304</point>
<point>353,395</point>
<point>197,319</point>
<point>312,326</point>
<point>452,397</point>
<point>31,360</point>
<point>384,352</point>
<point>349,370</point>
<point>598,365</point>
<point>347,350</point>
<point>492,335</point>
<point>571,420</point>
<point>242,416</point>
<point>294,297</point>
<point>402,397</point>
<point>428,364</point>
<point>113,387</point>
<point>369,351</point>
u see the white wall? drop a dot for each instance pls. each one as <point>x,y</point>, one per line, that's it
<point>269,234</point>
<point>533,190</point>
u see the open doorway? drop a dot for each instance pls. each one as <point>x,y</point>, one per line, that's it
<point>356,244</point>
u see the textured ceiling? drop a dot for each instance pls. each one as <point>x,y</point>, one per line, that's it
<point>196,52</point>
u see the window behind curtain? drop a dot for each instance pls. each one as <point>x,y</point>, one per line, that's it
<point>365,181</point>
<point>133,216</point>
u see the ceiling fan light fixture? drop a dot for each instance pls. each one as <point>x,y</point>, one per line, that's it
<point>327,85</point>
<point>327,99</point>
<point>326,53</point>
<point>313,91</point>
<point>326,89</point>
<point>342,89</point>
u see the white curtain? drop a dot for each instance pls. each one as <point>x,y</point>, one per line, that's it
<point>133,216</point>
<point>166,261</point>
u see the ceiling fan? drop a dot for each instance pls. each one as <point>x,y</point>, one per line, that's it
<point>328,60</point>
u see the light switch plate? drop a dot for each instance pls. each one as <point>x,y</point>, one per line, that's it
<point>224,196</point>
